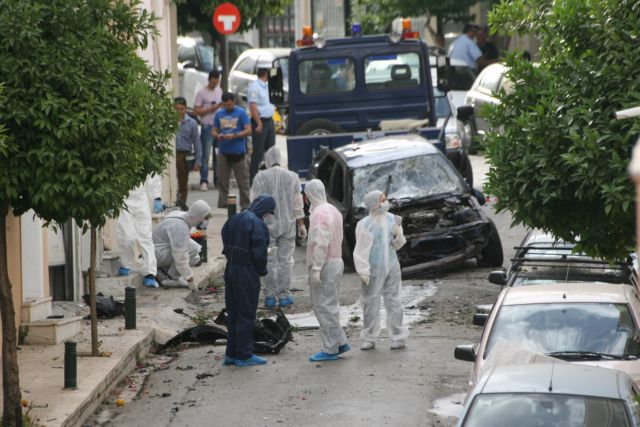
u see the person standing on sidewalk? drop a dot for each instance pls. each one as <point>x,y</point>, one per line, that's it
<point>208,101</point>
<point>245,239</point>
<point>231,128</point>
<point>324,262</point>
<point>263,134</point>
<point>135,226</point>
<point>378,236</point>
<point>284,186</point>
<point>187,148</point>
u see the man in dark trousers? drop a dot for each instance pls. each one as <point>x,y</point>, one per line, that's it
<point>245,238</point>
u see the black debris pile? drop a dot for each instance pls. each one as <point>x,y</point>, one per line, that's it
<point>106,307</point>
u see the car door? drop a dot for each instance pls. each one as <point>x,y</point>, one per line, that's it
<point>485,93</point>
<point>241,77</point>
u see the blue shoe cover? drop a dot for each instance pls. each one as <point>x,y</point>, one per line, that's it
<point>286,301</point>
<point>321,356</point>
<point>123,271</point>
<point>150,281</point>
<point>344,348</point>
<point>251,361</point>
<point>229,361</point>
<point>270,303</point>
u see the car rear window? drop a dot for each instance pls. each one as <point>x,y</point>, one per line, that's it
<point>519,409</point>
<point>392,71</point>
<point>322,76</point>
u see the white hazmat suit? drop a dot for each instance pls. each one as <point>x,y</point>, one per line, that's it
<point>134,225</point>
<point>324,262</point>
<point>284,186</point>
<point>176,252</point>
<point>378,236</point>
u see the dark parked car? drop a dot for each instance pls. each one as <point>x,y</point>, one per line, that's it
<point>442,218</point>
<point>542,258</point>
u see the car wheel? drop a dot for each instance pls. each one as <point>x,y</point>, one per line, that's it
<point>467,171</point>
<point>492,255</point>
<point>319,127</point>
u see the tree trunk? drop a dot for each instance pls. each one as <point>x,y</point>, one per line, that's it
<point>217,41</point>
<point>12,411</point>
<point>92,296</point>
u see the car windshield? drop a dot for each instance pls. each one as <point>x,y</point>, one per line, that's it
<point>206,55</point>
<point>520,409</point>
<point>568,331</point>
<point>411,178</point>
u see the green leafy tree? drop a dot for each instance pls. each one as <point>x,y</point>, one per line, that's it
<point>86,121</point>
<point>196,15</point>
<point>376,15</point>
<point>559,159</point>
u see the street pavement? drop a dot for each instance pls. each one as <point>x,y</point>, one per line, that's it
<point>420,385</point>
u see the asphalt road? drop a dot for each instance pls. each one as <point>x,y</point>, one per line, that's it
<point>420,385</point>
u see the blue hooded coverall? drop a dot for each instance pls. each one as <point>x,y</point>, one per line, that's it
<point>245,238</point>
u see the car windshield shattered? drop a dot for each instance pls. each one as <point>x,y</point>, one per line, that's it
<point>412,178</point>
<point>519,409</point>
<point>572,331</point>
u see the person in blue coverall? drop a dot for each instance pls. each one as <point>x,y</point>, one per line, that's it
<point>245,239</point>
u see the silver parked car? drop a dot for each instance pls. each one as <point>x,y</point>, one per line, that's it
<point>552,394</point>
<point>245,69</point>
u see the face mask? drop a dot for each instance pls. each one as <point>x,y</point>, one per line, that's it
<point>268,218</point>
<point>384,206</point>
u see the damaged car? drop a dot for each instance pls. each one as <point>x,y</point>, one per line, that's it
<point>442,216</point>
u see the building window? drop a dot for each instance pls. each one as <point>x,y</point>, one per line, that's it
<point>279,31</point>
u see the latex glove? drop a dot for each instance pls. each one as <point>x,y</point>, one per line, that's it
<point>157,206</point>
<point>302,231</point>
<point>314,277</point>
<point>365,280</point>
<point>395,230</point>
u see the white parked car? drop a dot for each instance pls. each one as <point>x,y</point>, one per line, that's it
<point>552,395</point>
<point>245,69</point>
<point>587,323</point>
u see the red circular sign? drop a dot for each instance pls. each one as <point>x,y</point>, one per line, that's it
<point>226,18</point>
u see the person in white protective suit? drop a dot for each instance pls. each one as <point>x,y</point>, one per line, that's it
<point>134,228</point>
<point>378,236</point>
<point>284,186</point>
<point>324,262</point>
<point>176,252</point>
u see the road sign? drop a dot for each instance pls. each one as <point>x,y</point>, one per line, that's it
<point>226,18</point>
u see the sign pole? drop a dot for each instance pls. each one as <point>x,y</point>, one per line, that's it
<point>226,64</point>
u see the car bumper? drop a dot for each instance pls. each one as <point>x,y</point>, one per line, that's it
<point>434,252</point>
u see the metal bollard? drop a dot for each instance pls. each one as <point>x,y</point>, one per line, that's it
<point>231,206</point>
<point>70,366</point>
<point>129,307</point>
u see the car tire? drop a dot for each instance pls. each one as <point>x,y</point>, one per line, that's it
<point>319,127</point>
<point>467,171</point>
<point>492,254</point>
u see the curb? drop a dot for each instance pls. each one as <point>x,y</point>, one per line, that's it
<point>95,398</point>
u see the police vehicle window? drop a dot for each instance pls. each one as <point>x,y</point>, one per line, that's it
<point>392,71</point>
<point>320,76</point>
<point>248,65</point>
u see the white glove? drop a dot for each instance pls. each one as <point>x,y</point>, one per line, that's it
<point>302,231</point>
<point>365,280</point>
<point>395,230</point>
<point>314,277</point>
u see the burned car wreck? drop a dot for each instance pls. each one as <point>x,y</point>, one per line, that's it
<point>442,218</point>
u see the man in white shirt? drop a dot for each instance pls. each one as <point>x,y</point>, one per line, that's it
<point>465,49</point>
<point>263,134</point>
<point>208,101</point>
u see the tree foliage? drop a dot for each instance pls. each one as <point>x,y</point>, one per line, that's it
<point>376,15</point>
<point>559,160</point>
<point>196,15</point>
<point>88,119</point>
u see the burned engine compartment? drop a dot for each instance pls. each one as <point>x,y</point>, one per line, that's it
<point>438,214</point>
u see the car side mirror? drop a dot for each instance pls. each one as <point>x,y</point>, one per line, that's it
<point>498,277</point>
<point>480,319</point>
<point>466,352</point>
<point>479,196</point>
<point>464,113</point>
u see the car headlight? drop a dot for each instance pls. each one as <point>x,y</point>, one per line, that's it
<point>453,141</point>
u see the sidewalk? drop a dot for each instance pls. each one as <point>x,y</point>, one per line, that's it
<point>42,367</point>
